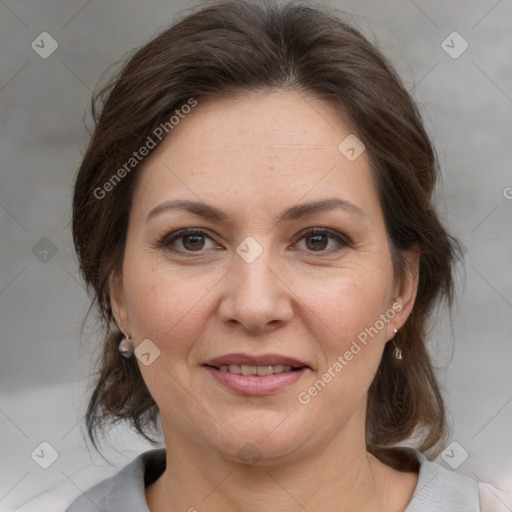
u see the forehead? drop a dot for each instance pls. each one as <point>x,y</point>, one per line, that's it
<point>276,121</point>
<point>277,146</point>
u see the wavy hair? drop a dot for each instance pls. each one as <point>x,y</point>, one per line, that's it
<point>234,48</point>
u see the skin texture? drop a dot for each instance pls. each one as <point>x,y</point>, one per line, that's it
<point>253,157</point>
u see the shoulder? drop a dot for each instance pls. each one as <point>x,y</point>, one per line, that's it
<point>124,490</point>
<point>443,490</point>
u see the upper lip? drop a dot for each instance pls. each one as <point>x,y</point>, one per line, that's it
<point>255,360</point>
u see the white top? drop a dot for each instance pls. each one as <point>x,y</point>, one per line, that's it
<point>437,490</point>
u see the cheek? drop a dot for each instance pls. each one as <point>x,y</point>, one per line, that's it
<point>165,306</point>
<point>348,304</point>
<point>346,320</point>
<point>169,308</point>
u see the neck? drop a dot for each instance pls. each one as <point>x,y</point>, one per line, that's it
<point>339,476</point>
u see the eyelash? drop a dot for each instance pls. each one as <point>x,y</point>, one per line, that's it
<point>166,241</point>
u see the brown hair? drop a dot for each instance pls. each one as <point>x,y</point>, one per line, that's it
<point>237,47</point>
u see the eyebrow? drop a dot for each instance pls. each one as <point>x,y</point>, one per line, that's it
<point>295,212</point>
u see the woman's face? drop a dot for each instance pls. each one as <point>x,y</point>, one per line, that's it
<point>262,171</point>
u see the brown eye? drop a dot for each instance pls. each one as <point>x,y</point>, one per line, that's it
<point>317,242</point>
<point>185,240</point>
<point>193,242</point>
<point>318,239</point>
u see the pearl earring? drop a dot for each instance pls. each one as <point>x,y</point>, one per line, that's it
<point>126,346</point>
<point>398,352</point>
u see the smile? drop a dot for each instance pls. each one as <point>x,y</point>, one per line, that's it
<point>255,380</point>
<point>255,370</point>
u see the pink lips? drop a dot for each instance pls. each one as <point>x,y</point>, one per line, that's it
<point>255,384</point>
<point>259,360</point>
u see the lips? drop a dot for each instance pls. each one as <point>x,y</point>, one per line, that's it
<point>252,360</point>
<point>255,375</point>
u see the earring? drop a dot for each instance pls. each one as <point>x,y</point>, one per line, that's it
<point>398,352</point>
<point>126,346</point>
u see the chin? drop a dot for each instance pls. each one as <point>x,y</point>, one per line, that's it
<point>264,442</point>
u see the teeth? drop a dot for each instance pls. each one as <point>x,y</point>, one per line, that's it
<point>264,370</point>
<point>255,370</point>
<point>248,370</point>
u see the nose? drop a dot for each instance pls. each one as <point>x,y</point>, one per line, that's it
<point>256,296</point>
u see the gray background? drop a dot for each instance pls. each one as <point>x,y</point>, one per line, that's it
<point>45,360</point>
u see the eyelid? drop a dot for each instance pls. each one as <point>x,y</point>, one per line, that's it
<point>342,239</point>
<point>169,238</point>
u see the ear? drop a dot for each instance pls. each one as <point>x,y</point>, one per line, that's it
<point>405,291</point>
<point>118,302</point>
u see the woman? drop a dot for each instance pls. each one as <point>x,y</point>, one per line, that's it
<point>254,215</point>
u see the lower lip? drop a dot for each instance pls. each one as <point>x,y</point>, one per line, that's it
<point>254,384</point>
